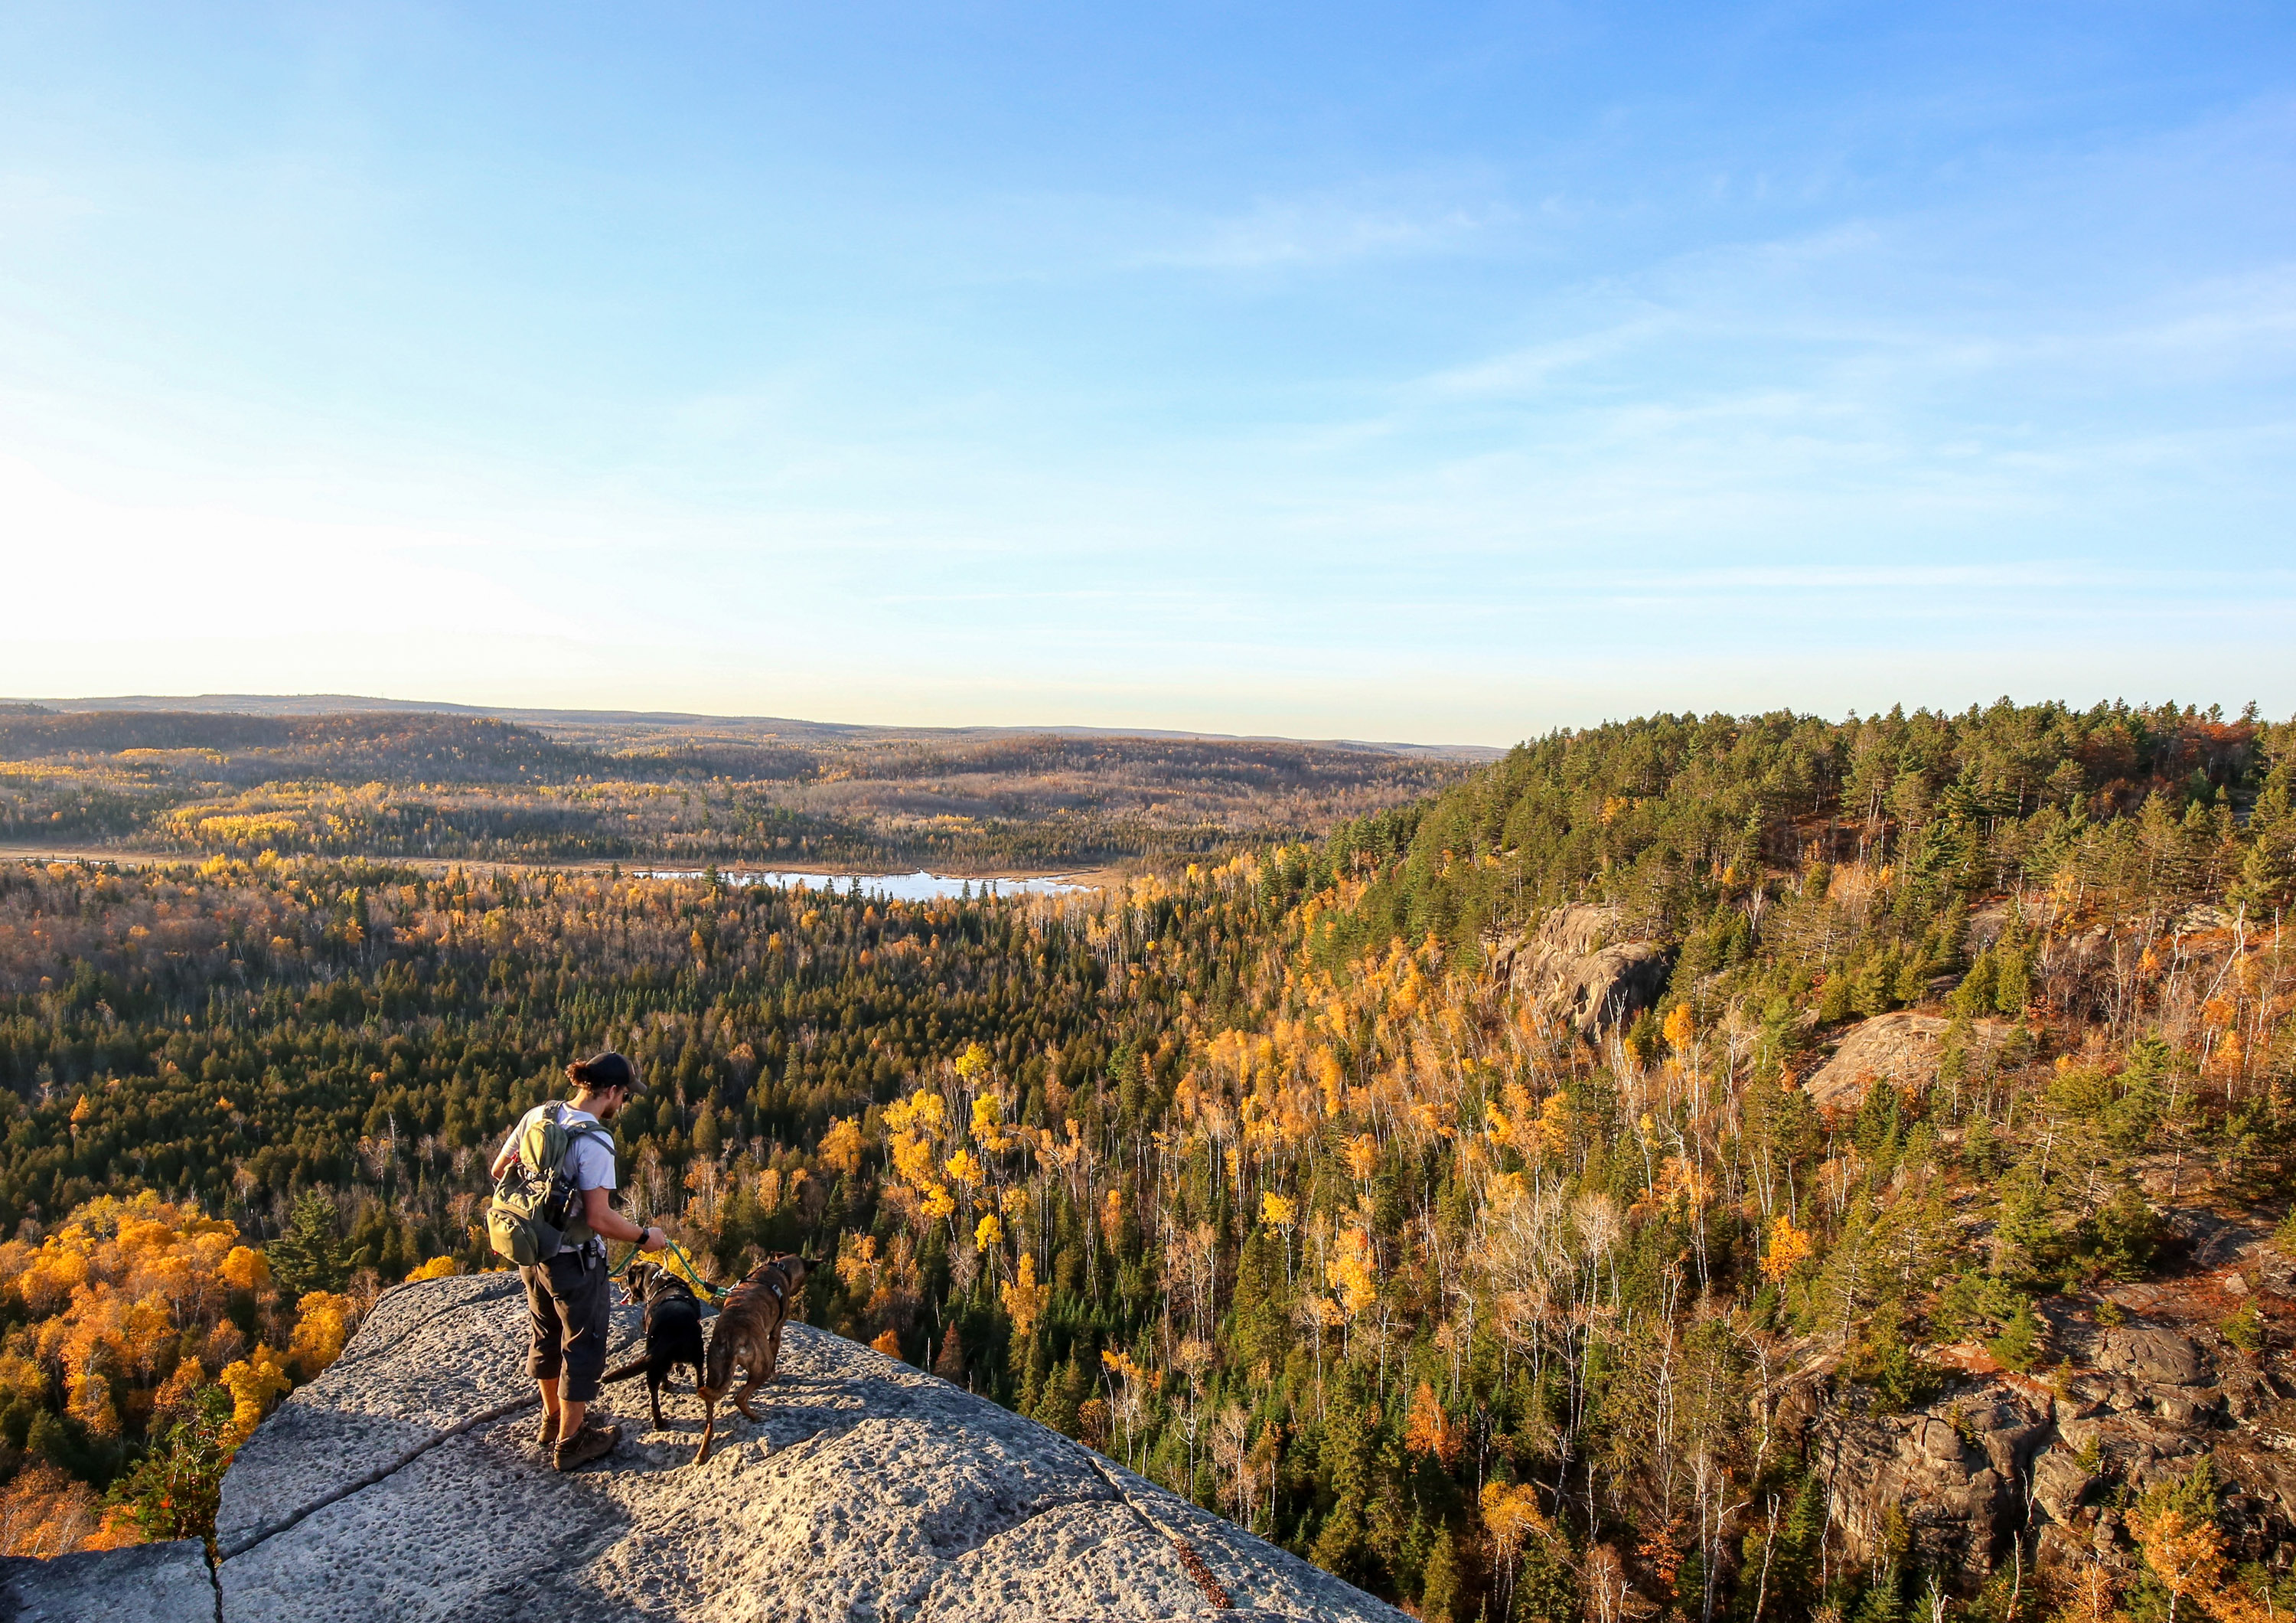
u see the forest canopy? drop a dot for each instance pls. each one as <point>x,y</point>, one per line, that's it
<point>1268,1176</point>
<point>412,785</point>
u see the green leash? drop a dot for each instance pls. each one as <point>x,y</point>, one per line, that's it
<point>715,1293</point>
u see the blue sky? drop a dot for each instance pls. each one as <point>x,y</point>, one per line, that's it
<point>1445,373</point>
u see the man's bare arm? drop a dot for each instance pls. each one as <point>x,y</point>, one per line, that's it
<point>598,1212</point>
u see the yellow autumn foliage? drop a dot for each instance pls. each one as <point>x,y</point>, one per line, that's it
<point>988,1129</point>
<point>1510,1514</point>
<point>323,1323</point>
<point>913,1160</point>
<point>840,1146</point>
<point>1789,1246</point>
<point>253,1381</point>
<point>1681,1028</point>
<point>1025,1300</point>
<point>1351,1272</point>
<point>244,1268</point>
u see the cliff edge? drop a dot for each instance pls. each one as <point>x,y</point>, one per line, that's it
<point>406,1483</point>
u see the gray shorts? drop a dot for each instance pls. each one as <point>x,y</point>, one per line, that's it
<point>568,1306</point>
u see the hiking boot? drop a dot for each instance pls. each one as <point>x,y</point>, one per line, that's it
<point>591,1442</point>
<point>547,1437</point>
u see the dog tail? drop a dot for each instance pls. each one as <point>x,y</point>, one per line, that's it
<point>717,1363</point>
<point>709,1425</point>
<point>634,1367</point>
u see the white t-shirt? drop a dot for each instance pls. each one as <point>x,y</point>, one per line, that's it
<point>589,1160</point>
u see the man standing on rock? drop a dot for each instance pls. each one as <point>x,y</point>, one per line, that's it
<point>568,1297</point>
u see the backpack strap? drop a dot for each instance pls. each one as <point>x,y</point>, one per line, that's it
<point>548,1110</point>
<point>576,1131</point>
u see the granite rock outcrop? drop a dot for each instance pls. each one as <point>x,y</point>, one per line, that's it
<point>1578,966</point>
<point>1954,1474</point>
<point>1902,1048</point>
<point>165,1583</point>
<point>404,1482</point>
<point>2134,1396</point>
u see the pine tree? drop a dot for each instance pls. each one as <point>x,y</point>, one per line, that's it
<point>1546,1591</point>
<point>1063,1396</point>
<point>1439,1595</point>
<point>2018,1344</point>
<point>309,1256</point>
<point>2267,874</point>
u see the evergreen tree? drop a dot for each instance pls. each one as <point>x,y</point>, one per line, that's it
<point>2019,1345</point>
<point>309,1256</point>
<point>1546,1591</point>
<point>1439,1596</point>
<point>2267,873</point>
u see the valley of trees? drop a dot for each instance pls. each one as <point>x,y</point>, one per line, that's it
<point>1263,1175</point>
<point>413,785</point>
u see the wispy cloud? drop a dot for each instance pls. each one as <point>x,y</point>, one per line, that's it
<point>1391,221</point>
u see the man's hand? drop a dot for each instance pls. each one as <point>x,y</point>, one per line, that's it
<point>599,1212</point>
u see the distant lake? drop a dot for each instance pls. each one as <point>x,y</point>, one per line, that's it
<point>919,886</point>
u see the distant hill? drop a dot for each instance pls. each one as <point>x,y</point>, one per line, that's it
<point>265,748</point>
<point>341,775</point>
<point>625,721</point>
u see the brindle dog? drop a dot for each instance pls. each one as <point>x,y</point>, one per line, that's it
<point>673,1328</point>
<point>747,1336</point>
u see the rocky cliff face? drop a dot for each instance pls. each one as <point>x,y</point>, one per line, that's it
<point>1576,966</point>
<point>2042,1465</point>
<point>165,1583</point>
<point>405,1483</point>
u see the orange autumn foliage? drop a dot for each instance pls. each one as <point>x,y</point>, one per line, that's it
<point>130,1305</point>
<point>1789,1247</point>
<point>119,1292</point>
<point>1429,1430</point>
<point>44,1511</point>
<point>2186,1554</point>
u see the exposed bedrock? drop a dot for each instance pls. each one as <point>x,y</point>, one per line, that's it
<point>2045,1460</point>
<point>1902,1048</point>
<point>1953,1473</point>
<point>165,1583</point>
<point>406,1483</point>
<point>1578,965</point>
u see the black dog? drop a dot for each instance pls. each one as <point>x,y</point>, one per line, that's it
<point>673,1329</point>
